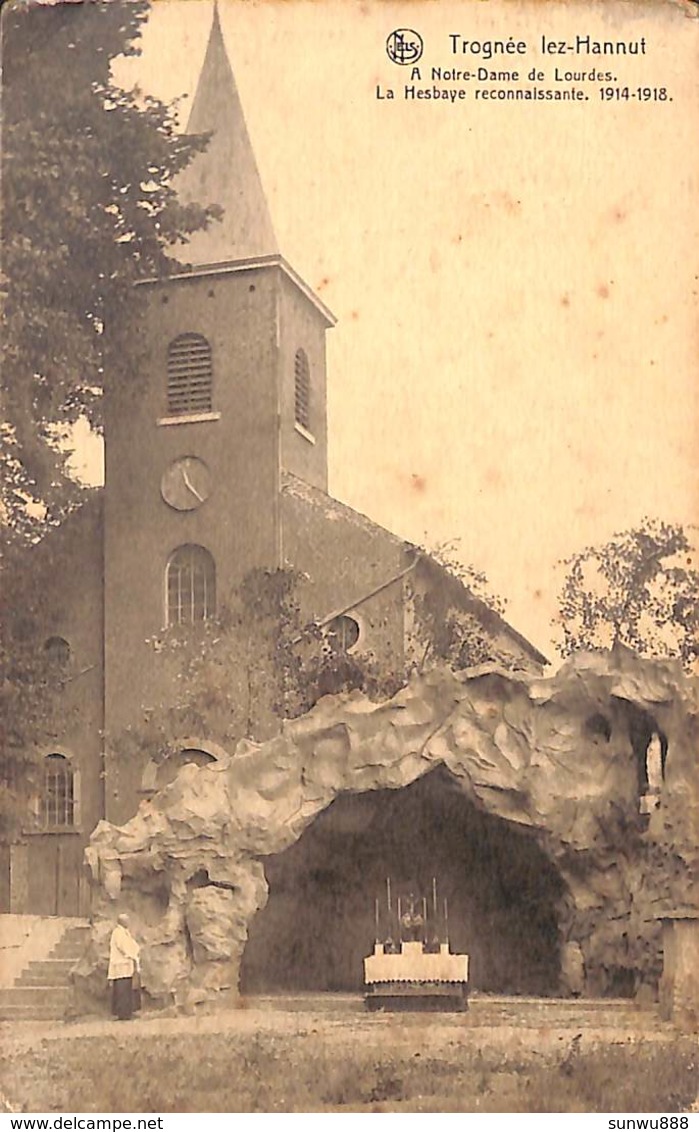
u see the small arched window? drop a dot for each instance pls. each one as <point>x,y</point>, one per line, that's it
<point>57,652</point>
<point>189,375</point>
<point>58,802</point>
<point>191,585</point>
<point>302,390</point>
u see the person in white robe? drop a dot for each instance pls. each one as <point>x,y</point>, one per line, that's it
<point>124,963</point>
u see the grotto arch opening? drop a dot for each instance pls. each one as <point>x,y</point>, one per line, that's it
<point>318,923</point>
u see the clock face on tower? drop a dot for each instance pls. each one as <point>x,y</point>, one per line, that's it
<point>186,483</point>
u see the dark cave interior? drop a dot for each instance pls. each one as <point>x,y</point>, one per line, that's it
<point>319,921</point>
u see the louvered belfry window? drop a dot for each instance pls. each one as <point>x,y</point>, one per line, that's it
<point>189,375</point>
<point>302,390</point>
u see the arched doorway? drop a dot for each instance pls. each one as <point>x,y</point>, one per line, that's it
<point>53,849</point>
<point>318,923</point>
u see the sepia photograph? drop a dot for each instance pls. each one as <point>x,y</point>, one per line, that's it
<point>349,650</point>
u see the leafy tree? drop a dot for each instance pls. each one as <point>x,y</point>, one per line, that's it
<point>450,625</point>
<point>88,208</point>
<point>236,675</point>
<point>640,589</point>
<point>33,700</point>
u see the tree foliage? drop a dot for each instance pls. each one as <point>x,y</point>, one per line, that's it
<point>456,613</point>
<point>33,704</point>
<point>88,209</point>
<point>640,589</point>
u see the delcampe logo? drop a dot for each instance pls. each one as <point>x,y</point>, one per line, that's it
<point>404,46</point>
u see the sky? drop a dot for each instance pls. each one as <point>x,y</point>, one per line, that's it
<point>514,364</point>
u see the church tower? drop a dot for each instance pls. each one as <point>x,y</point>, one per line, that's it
<point>232,395</point>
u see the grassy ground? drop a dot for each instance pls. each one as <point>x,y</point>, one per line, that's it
<point>266,1059</point>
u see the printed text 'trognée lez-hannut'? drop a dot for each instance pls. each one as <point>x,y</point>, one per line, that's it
<point>580,45</point>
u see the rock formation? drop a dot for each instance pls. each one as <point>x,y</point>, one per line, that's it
<point>562,758</point>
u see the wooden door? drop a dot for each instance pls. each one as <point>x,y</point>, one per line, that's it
<point>55,866</point>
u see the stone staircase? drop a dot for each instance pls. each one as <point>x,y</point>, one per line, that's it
<point>44,989</point>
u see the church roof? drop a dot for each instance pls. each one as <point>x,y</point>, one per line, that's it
<point>335,512</point>
<point>226,172</point>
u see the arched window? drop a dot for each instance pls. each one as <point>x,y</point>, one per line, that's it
<point>57,652</point>
<point>189,375</point>
<point>58,801</point>
<point>191,585</point>
<point>302,390</point>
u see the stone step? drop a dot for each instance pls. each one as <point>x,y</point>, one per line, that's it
<point>49,996</point>
<point>73,931</point>
<point>43,990</point>
<point>51,964</point>
<point>72,944</point>
<point>47,974</point>
<point>65,955</point>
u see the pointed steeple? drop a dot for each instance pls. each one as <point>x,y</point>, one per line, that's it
<point>226,173</point>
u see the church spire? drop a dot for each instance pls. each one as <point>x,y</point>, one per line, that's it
<point>226,173</point>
